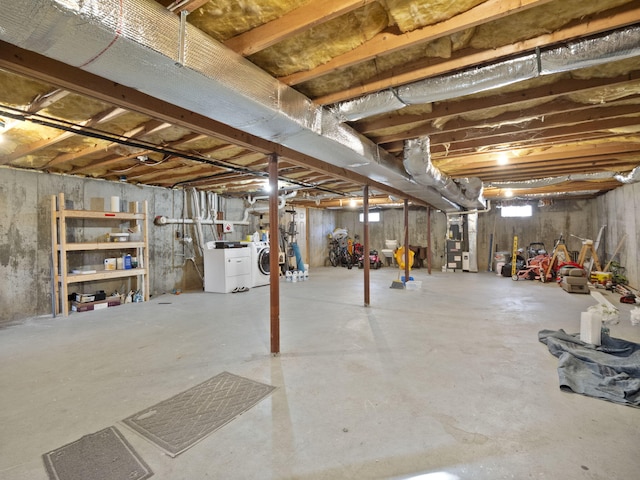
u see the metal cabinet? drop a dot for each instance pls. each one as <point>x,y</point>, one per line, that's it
<point>454,255</point>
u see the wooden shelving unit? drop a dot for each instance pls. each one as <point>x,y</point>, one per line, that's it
<point>62,278</point>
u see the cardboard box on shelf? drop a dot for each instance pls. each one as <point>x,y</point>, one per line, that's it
<point>84,298</point>
<point>89,306</point>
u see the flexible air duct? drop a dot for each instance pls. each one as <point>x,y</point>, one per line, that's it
<point>596,50</point>
<point>417,161</point>
<point>593,51</point>
<point>545,182</point>
<point>632,177</point>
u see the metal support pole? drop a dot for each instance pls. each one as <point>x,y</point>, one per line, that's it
<point>274,243</point>
<point>429,240</point>
<point>366,247</point>
<point>407,257</point>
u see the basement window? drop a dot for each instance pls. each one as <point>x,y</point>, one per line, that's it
<point>516,211</point>
<point>373,217</point>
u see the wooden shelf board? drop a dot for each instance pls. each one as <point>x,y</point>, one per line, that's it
<point>105,275</point>
<point>101,246</point>
<point>101,215</point>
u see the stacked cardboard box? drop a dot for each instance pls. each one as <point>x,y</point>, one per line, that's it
<point>89,306</point>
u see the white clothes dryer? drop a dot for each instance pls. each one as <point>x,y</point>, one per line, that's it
<point>260,263</point>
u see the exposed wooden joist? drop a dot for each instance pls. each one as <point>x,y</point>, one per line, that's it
<point>30,148</point>
<point>536,170</point>
<point>555,113</point>
<point>43,101</point>
<point>290,24</point>
<point>536,130</point>
<point>141,130</point>
<point>600,129</point>
<point>504,100</point>
<point>468,58</point>
<point>386,43</point>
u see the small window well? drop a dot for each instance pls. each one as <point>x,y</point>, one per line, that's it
<point>516,211</point>
<point>373,217</point>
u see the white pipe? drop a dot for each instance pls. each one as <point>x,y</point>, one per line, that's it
<point>196,210</point>
<point>162,220</point>
<point>467,212</point>
<point>282,201</point>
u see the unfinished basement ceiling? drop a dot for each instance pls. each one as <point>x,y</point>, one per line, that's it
<point>574,133</point>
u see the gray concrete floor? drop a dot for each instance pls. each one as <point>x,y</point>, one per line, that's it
<point>449,379</point>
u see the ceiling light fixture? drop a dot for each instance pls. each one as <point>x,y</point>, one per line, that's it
<point>508,193</point>
<point>353,203</point>
<point>503,158</point>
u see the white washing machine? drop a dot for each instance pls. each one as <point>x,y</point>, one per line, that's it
<point>260,266</point>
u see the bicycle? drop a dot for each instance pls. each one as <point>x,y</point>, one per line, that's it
<point>339,254</point>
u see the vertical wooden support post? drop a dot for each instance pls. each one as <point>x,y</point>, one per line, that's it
<point>366,247</point>
<point>407,257</point>
<point>274,244</point>
<point>429,240</point>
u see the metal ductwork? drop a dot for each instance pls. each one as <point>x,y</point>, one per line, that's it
<point>142,45</point>
<point>545,182</point>
<point>617,45</point>
<point>417,161</point>
<point>441,88</point>
<point>632,177</point>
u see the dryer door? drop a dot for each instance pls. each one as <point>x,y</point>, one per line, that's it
<point>263,261</point>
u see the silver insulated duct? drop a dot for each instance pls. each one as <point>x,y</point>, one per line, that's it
<point>417,162</point>
<point>140,44</point>
<point>608,47</point>
<point>632,177</point>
